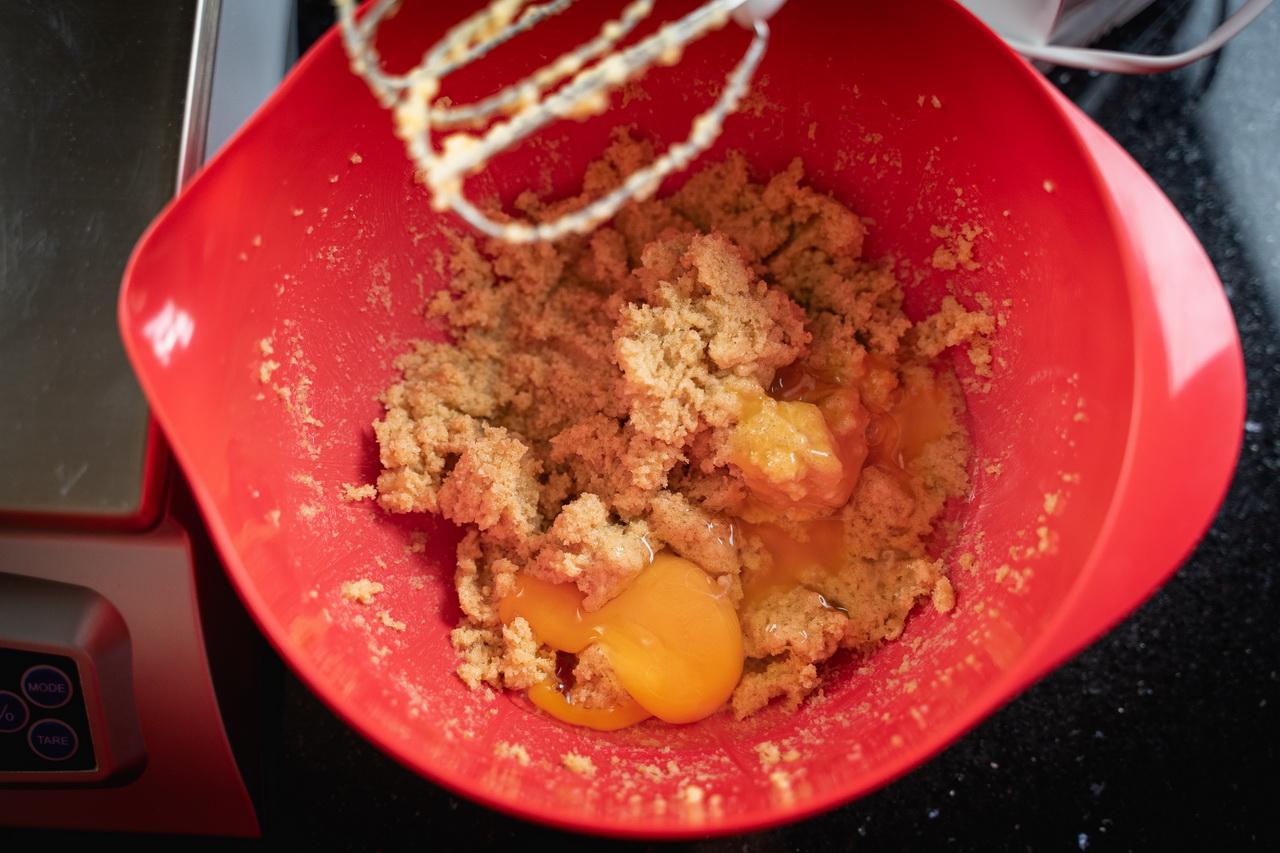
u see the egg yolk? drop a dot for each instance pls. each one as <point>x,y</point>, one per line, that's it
<point>804,445</point>
<point>785,452</point>
<point>814,545</point>
<point>922,415</point>
<point>548,696</point>
<point>672,637</point>
<point>918,415</point>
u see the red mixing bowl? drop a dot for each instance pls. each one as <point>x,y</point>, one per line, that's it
<point>1102,448</point>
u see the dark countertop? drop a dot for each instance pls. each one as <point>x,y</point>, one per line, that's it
<point>1162,735</point>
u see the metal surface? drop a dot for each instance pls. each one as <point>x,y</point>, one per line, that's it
<point>195,113</point>
<point>92,98</point>
<point>257,44</point>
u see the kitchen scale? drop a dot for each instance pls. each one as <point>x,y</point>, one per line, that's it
<point>127,692</point>
<point>126,665</point>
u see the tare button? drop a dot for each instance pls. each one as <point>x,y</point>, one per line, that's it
<point>46,686</point>
<point>53,740</point>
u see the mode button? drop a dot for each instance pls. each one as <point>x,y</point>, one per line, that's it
<point>46,686</point>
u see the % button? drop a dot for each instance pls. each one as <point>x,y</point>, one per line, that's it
<point>13,712</point>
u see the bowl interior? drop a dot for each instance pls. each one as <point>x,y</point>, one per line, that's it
<point>909,112</point>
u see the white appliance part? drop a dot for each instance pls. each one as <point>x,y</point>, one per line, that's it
<point>1052,32</point>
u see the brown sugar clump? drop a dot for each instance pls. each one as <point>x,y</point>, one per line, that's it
<point>952,326</point>
<point>579,421</point>
<point>580,764</point>
<point>494,485</point>
<point>514,751</point>
<point>694,533</point>
<point>789,677</point>
<point>583,547</point>
<point>362,591</point>
<point>796,620</point>
<point>523,662</point>
<point>595,685</point>
<point>479,655</point>
<point>352,493</point>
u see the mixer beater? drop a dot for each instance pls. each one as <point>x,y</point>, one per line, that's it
<point>575,86</point>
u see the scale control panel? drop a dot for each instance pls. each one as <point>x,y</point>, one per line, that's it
<point>67,711</point>
<point>44,726</point>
